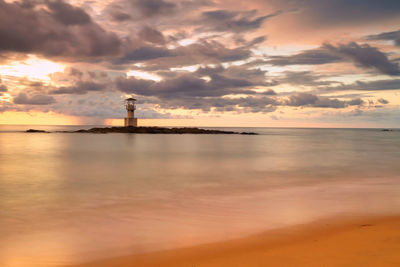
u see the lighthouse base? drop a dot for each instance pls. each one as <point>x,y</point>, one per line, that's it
<point>130,122</point>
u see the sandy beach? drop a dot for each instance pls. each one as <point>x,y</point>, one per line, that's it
<point>350,241</point>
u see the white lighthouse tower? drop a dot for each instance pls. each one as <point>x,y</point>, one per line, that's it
<point>130,108</point>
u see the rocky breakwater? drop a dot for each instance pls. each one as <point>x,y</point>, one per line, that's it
<point>150,130</point>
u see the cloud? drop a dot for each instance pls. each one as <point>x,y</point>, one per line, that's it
<point>250,104</point>
<point>64,31</point>
<point>151,8</point>
<point>391,36</point>
<point>79,88</point>
<point>365,56</point>
<point>244,71</point>
<point>225,89</point>
<point>202,52</point>
<point>38,99</point>
<point>302,99</point>
<point>308,57</point>
<point>186,85</point>
<point>269,92</point>
<point>3,88</point>
<point>379,85</point>
<point>307,78</point>
<point>135,10</point>
<point>310,100</point>
<point>151,35</point>
<point>328,13</point>
<point>342,11</point>
<point>68,14</point>
<point>383,101</point>
<point>233,21</point>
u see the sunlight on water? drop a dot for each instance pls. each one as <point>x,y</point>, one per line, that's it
<point>67,198</point>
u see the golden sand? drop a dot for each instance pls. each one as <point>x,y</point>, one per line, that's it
<point>362,241</point>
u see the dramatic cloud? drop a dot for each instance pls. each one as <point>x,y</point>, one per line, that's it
<point>140,10</point>
<point>185,85</point>
<point>391,36</point>
<point>307,78</point>
<point>151,35</point>
<point>383,101</point>
<point>202,52</point>
<point>24,99</point>
<point>199,57</point>
<point>378,85</point>
<point>309,57</point>
<point>366,56</point>
<point>150,8</point>
<point>335,13</point>
<point>310,100</point>
<point>225,20</point>
<point>79,88</point>
<point>65,31</point>
<point>67,14</point>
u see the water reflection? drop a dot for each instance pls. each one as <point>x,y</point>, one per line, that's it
<point>72,197</point>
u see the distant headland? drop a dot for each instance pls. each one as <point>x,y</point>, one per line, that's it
<point>147,130</point>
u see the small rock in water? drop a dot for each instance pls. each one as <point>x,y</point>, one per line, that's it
<point>35,131</point>
<point>248,133</point>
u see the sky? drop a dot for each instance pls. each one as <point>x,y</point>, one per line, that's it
<point>254,63</point>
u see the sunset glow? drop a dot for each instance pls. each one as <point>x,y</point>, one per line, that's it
<point>263,63</point>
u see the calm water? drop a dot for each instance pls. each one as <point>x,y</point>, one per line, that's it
<point>68,198</point>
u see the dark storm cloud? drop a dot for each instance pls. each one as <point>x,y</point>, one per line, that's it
<point>190,91</point>
<point>362,55</point>
<point>185,85</point>
<point>390,36</point>
<point>301,99</point>
<point>269,92</point>
<point>204,82</point>
<point>233,21</point>
<point>365,56</point>
<point>330,13</point>
<point>37,99</point>
<point>307,78</point>
<point>379,85</point>
<point>67,14</point>
<point>308,57</point>
<point>243,104</point>
<point>150,8</point>
<point>69,35</point>
<point>139,10</point>
<point>151,35</point>
<point>119,16</point>
<point>78,89</point>
<point>145,53</point>
<point>244,71</point>
<point>202,52</point>
<point>310,100</point>
<point>383,101</point>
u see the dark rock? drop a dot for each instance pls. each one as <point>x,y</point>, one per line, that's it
<point>147,130</point>
<point>157,130</point>
<point>248,133</point>
<point>35,131</point>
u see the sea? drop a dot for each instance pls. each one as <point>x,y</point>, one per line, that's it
<point>68,198</point>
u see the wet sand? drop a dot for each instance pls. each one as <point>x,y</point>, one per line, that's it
<point>345,241</point>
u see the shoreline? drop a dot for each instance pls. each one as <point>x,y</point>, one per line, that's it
<point>338,241</point>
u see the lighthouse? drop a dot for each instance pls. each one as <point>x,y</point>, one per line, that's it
<point>130,108</point>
